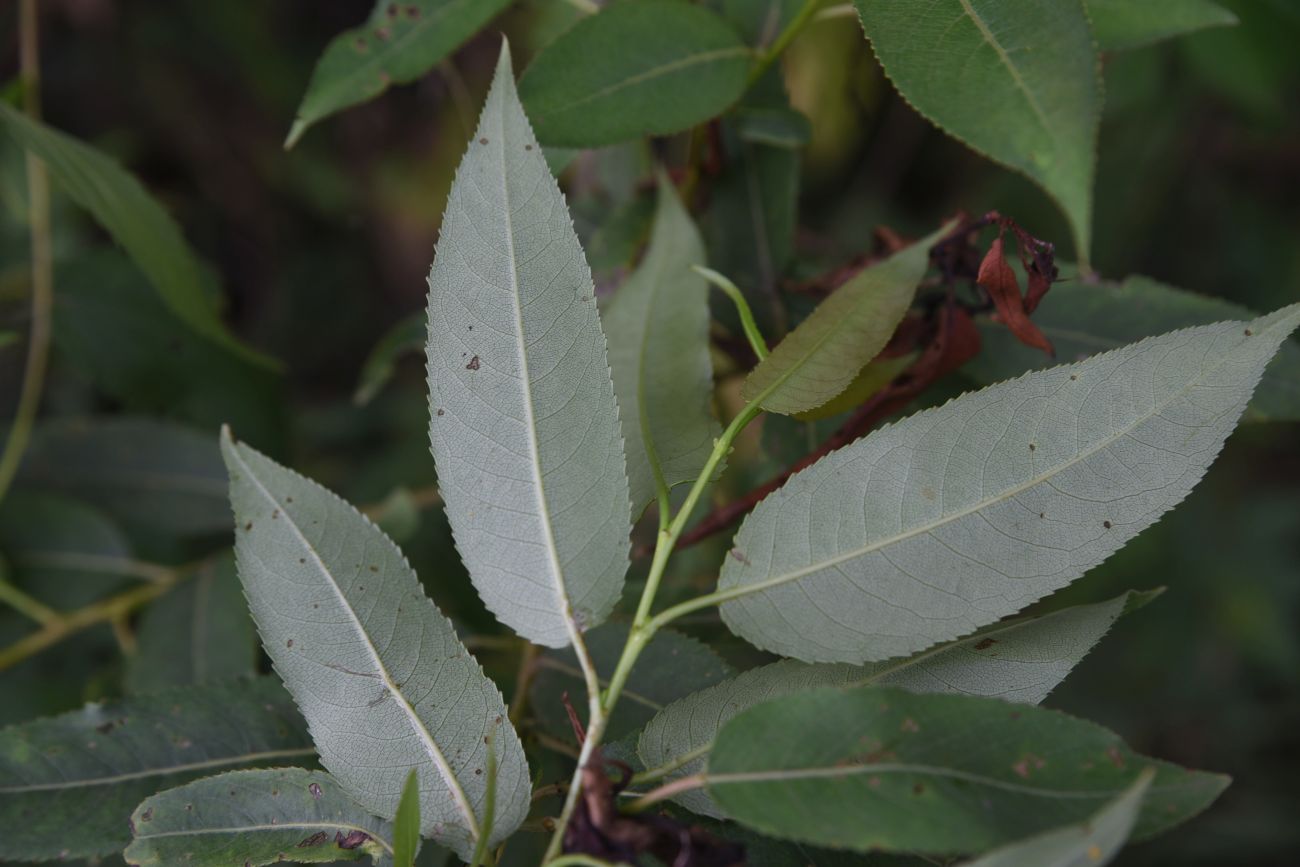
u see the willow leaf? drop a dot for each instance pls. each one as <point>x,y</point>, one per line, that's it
<point>657,326</point>
<point>385,684</point>
<point>1020,661</point>
<point>1093,843</point>
<point>120,204</point>
<point>406,824</point>
<point>652,67</point>
<point>400,43</point>
<point>252,818</point>
<point>1122,24</point>
<point>876,768</point>
<point>958,516</point>
<point>820,359</point>
<point>524,424</point>
<point>1017,80</point>
<point>68,783</point>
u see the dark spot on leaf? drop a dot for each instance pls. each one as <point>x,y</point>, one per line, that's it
<point>288,499</point>
<point>478,772</point>
<point>986,644</point>
<point>360,45</point>
<point>482,141</point>
<point>440,412</point>
<point>528,147</point>
<point>189,808</point>
<point>275,515</point>
<point>289,643</point>
<point>473,364</point>
<point>918,789</point>
<point>374,568</point>
<point>1107,524</point>
<point>1249,333</point>
<point>1042,514</point>
<point>314,840</point>
<point>392,10</point>
<point>412,12</point>
<point>353,840</point>
<point>314,788</point>
<point>1073,377</point>
<point>302,559</point>
<point>1032,447</point>
<point>147,815</point>
<point>106,727</point>
<point>382,33</point>
<point>248,526</point>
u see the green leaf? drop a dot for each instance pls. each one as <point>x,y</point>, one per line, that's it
<point>524,423</point>
<point>878,768</point>
<point>657,326</point>
<point>1091,844</point>
<point>670,667</point>
<point>252,818</point>
<point>400,43</point>
<point>1020,661</point>
<point>142,472</point>
<point>1084,319</point>
<point>198,632</point>
<point>960,515</point>
<point>65,553</point>
<point>405,338</point>
<point>871,379</point>
<point>1123,24</point>
<point>820,359</point>
<point>385,684</point>
<point>125,209</point>
<point>406,824</point>
<point>1017,80</point>
<point>651,67</point>
<point>68,783</point>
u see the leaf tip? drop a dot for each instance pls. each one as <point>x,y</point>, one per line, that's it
<point>295,132</point>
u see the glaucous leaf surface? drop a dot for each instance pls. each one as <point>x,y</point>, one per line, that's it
<point>69,783</point>
<point>198,632</point>
<point>400,43</point>
<point>1020,661</point>
<point>253,818</point>
<point>652,67</point>
<point>1083,319</point>
<point>1017,80</point>
<point>878,768</point>
<point>1122,24</point>
<point>672,666</point>
<point>377,670</point>
<point>657,326</point>
<point>960,515</point>
<point>822,357</point>
<point>523,423</point>
<point>142,472</point>
<point>1094,842</point>
<point>120,204</point>
<point>60,550</point>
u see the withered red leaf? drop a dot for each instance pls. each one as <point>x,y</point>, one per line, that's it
<point>997,278</point>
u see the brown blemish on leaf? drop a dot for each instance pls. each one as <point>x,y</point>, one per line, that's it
<point>928,492</point>
<point>483,141</point>
<point>353,840</point>
<point>440,412</point>
<point>1249,333</point>
<point>248,526</point>
<point>739,556</point>
<point>1073,377</point>
<point>314,840</point>
<point>1107,524</point>
<point>1115,756</point>
<point>909,725</point>
<point>289,643</point>
<point>374,568</point>
<point>314,788</point>
<point>360,45</point>
<point>412,12</point>
<point>382,33</point>
<point>147,815</point>
<point>528,147</point>
<point>1032,447</point>
<point>918,789</point>
<point>473,364</point>
<point>986,644</point>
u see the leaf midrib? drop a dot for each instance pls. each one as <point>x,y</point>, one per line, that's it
<point>431,746</point>
<point>1005,58</point>
<point>159,771</point>
<point>286,826</point>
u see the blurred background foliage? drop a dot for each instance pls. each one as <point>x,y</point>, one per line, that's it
<point>317,253</point>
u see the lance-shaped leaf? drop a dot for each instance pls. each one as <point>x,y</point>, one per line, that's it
<point>1121,24</point>
<point>406,824</point>
<point>1017,80</point>
<point>125,209</point>
<point>1084,319</point>
<point>524,425</point>
<point>199,632</point>
<point>69,783</point>
<point>252,818</point>
<point>377,670</point>
<point>878,768</point>
<point>658,331</point>
<point>400,43</point>
<point>820,359</point>
<point>1020,661</point>
<point>648,68</point>
<point>1091,844</point>
<point>958,516</point>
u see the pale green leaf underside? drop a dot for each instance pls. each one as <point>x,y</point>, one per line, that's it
<point>1092,844</point>
<point>401,42</point>
<point>880,768</point>
<point>657,326</point>
<point>252,818</point>
<point>68,783</point>
<point>1083,319</point>
<point>120,204</point>
<point>524,425</point>
<point>1121,24</point>
<point>820,359</point>
<point>1020,661</point>
<point>958,516</point>
<point>385,684</point>
<point>1017,80</point>
<point>652,67</point>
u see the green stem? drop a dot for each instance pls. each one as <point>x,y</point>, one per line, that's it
<point>783,40</point>
<point>666,791</point>
<point>26,605</point>
<point>38,212</point>
<point>747,322</point>
<point>643,625</point>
